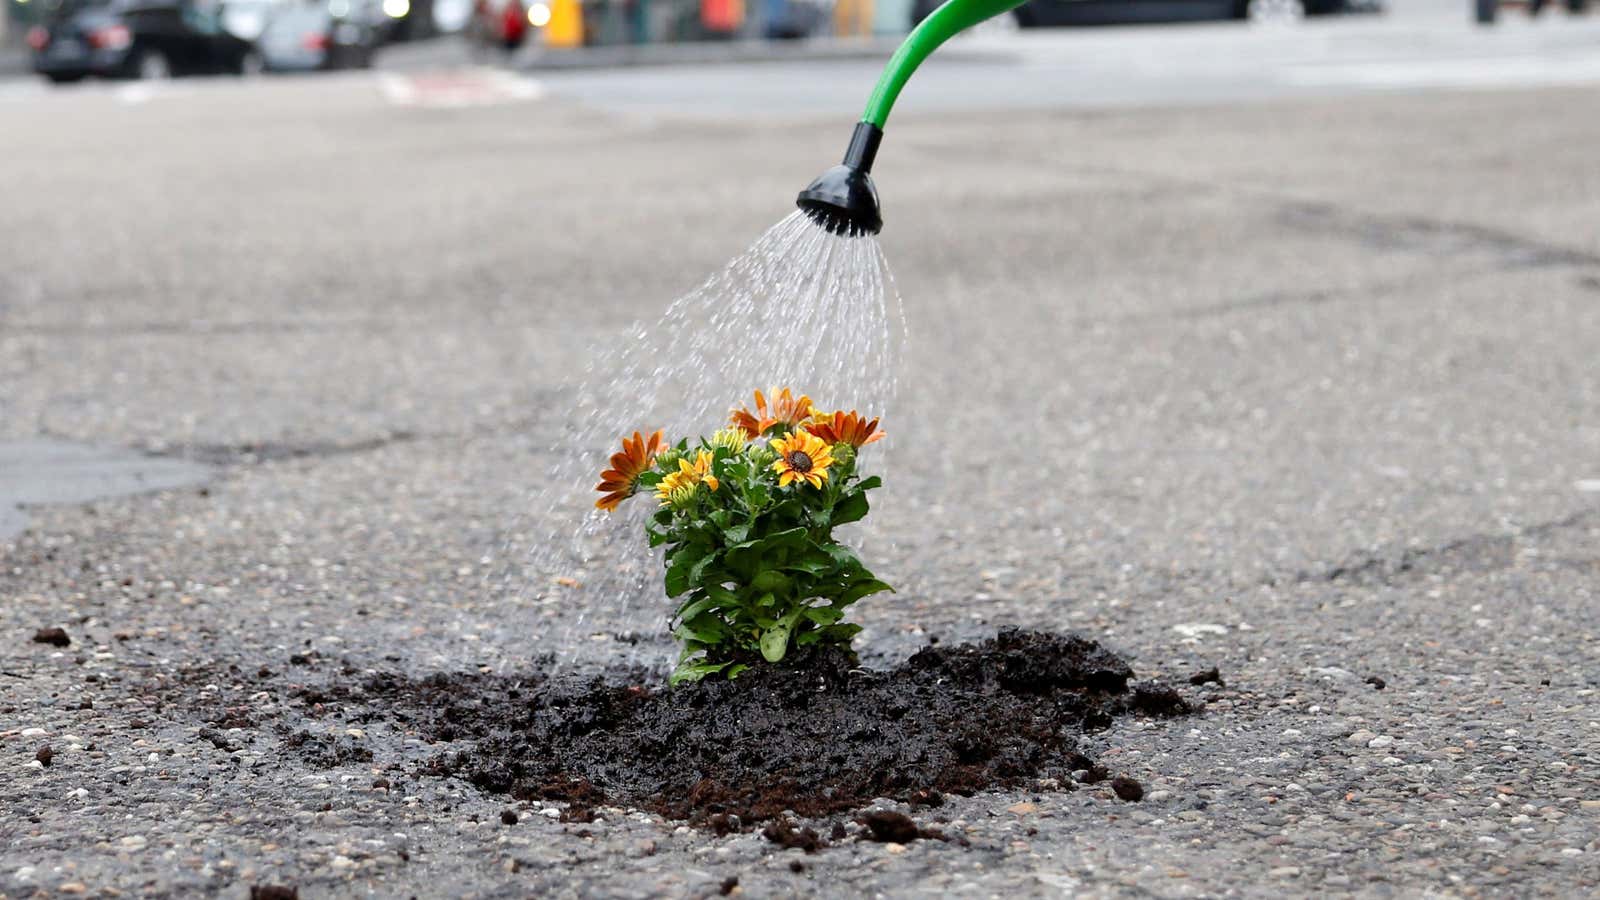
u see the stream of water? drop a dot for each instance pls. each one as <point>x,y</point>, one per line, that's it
<point>800,308</point>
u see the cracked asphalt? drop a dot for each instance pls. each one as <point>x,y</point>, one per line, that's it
<point>1306,391</point>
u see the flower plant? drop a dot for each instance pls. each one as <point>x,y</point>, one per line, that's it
<point>747,517</point>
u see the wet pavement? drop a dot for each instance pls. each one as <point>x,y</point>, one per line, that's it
<point>38,472</point>
<point>1303,391</point>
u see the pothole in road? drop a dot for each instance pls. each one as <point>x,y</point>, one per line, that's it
<point>818,737</point>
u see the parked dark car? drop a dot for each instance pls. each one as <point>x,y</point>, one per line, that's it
<point>322,34</point>
<point>135,39</point>
<point>1050,13</point>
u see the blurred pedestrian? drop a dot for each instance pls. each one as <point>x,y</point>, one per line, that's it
<point>514,26</point>
<point>498,25</point>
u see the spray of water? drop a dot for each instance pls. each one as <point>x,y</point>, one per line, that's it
<point>801,308</point>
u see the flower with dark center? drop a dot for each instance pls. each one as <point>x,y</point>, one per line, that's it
<point>802,456</point>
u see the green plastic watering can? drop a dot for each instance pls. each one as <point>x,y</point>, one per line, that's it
<point>843,199</point>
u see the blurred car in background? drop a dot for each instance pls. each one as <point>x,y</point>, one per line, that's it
<point>136,39</point>
<point>312,35</point>
<point>797,19</point>
<point>1051,13</point>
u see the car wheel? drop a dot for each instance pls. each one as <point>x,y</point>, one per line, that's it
<point>64,77</point>
<point>1274,11</point>
<point>152,65</point>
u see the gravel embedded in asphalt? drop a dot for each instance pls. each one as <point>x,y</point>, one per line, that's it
<point>1304,393</point>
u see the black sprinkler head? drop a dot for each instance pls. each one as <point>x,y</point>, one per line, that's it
<point>843,199</point>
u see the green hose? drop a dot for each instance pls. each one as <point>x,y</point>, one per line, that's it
<point>940,25</point>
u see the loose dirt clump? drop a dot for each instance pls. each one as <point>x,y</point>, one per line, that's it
<point>55,637</point>
<point>816,736</point>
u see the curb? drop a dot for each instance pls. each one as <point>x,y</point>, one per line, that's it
<point>709,53</point>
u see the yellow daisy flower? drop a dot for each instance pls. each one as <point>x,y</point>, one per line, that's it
<point>802,457</point>
<point>688,475</point>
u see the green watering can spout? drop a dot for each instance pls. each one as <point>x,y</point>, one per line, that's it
<point>843,199</point>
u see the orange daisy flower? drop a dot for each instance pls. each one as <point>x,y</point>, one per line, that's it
<point>786,409</point>
<point>619,482</point>
<point>802,456</point>
<point>845,428</point>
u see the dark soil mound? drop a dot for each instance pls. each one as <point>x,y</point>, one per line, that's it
<point>816,735</point>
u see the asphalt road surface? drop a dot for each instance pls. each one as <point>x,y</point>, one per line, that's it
<point>1304,388</point>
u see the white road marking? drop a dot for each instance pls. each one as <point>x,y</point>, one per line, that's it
<point>134,94</point>
<point>458,88</point>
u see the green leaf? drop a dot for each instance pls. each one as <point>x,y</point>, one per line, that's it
<point>697,606</point>
<point>698,571</point>
<point>810,565</point>
<point>793,537</point>
<point>770,581</point>
<point>705,627</point>
<point>867,484</point>
<point>677,580</point>
<point>842,555</point>
<point>851,509</point>
<point>863,588</point>
<point>774,644</point>
<point>694,671</point>
<point>824,615</point>
<point>841,633</point>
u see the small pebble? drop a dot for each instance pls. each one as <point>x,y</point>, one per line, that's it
<point>1127,789</point>
<point>55,637</point>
